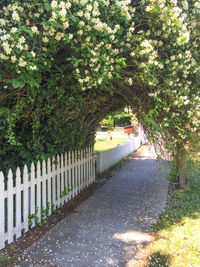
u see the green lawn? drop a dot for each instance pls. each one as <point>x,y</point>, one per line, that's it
<point>105,144</point>
<point>178,230</point>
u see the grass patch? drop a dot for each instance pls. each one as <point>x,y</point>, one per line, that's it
<point>178,229</point>
<point>7,260</point>
<point>104,144</point>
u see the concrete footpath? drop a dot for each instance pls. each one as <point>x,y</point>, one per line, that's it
<point>110,226</point>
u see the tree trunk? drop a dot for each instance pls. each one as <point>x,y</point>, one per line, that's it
<point>182,166</point>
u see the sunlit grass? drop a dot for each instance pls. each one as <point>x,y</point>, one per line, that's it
<point>105,144</point>
<point>178,230</point>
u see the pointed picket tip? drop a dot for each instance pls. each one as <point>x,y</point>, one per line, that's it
<point>43,163</point>
<point>32,167</point>
<point>1,176</point>
<point>49,164</point>
<point>25,171</point>
<point>53,162</point>
<point>72,157</point>
<point>58,161</point>
<point>62,159</point>
<point>18,172</point>
<point>10,174</point>
<point>38,164</point>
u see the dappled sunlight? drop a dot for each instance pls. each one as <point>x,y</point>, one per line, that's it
<point>111,262</point>
<point>134,236</point>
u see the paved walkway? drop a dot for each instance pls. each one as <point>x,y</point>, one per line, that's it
<point>111,225</point>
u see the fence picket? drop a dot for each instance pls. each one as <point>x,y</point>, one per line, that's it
<point>85,173</point>
<point>87,166</point>
<point>2,212</point>
<point>66,177</point>
<point>92,165</point>
<point>53,183</point>
<point>75,173</point>
<point>18,204</point>
<point>49,176</point>
<point>72,174</point>
<point>62,179</point>
<point>58,181</point>
<point>82,169</point>
<point>32,198</point>
<point>38,195</point>
<point>10,207</point>
<point>69,175</point>
<point>78,170</point>
<point>44,196</point>
<point>25,199</point>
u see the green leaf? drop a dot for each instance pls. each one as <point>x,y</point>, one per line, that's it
<point>18,84</point>
<point>55,24</point>
<point>3,110</point>
<point>47,7</point>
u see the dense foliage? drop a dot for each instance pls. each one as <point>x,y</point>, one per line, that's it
<point>65,64</point>
<point>117,118</point>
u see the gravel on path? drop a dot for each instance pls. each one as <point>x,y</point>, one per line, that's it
<point>111,225</point>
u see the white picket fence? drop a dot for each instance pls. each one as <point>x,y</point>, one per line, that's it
<point>42,188</point>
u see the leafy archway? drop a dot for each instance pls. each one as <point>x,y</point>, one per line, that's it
<point>65,65</point>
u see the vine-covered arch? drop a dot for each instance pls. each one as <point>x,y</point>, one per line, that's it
<point>65,64</point>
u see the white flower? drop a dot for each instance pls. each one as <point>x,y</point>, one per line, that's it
<point>15,16</point>
<point>33,67</point>
<point>62,4</point>
<point>66,24</point>
<point>33,53</point>
<point>80,32</point>
<point>87,15</point>
<point>34,29</point>
<point>2,22</point>
<point>4,57</point>
<point>68,5</point>
<point>197,4</point>
<point>22,63</point>
<point>13,30</point>
<point>109,75</point>
<point>80,13</point>
<point>63,13</point>
<point>83,2</point>
<point>13,59</point>
<point>148,33</point>
<point>100,80</point>
<point>130,81</point>
<point>89,8</point>
<point>22,40</point>
<point>82,23</point>
<point>148,8</point>
<point>54,4</point>
<point>20,47</point>
<point>45,39</point>
<point>70,36</point>
<point>58,36</point>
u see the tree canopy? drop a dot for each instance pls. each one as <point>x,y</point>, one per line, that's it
<point>64,65</point>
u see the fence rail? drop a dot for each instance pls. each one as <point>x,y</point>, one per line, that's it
<point>29,196</point>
